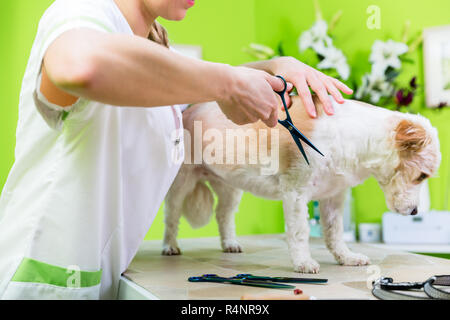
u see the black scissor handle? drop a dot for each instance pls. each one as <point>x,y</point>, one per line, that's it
<point>281,93</point>
<point>195,279</point>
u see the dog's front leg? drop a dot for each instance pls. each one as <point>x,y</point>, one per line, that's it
<point>331,210</point>
<point>297,231</point>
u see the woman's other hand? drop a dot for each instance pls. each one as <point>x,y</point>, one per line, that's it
<point>304,77</point>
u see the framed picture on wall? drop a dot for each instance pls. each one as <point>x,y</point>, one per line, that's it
<point>436,48</point>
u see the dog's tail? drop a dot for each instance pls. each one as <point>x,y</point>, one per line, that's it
<point>198,205</point>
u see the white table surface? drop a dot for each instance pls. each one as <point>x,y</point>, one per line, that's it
<point>165,277</point>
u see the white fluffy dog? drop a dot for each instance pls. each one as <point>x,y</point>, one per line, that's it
<point>399,150</point>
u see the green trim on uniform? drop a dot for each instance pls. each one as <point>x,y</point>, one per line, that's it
<point>65,114</point>
<point>35,271</point>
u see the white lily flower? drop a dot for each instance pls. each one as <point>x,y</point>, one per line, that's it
<point>386,54</point>
<point>378,69</point>
<point>335,59</point>
<point>316,38</point>
<point>375,86</point>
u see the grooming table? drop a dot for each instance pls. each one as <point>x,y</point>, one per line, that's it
<point>153,276</point>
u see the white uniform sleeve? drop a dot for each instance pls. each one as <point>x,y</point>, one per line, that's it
<point>62,16</point>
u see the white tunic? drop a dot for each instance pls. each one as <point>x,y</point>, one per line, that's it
<point>87,180</point>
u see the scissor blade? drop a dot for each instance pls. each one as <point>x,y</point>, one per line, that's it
<point>280,279</point>
<point>293,131</point>
<point>300,147</point>
<point>265,284</point>
<point>242,282</point>
<point>306,140</point>
<point>285,123</point>
<point>299,280</point>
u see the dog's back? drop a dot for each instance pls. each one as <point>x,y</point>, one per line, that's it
<point>331,134</point>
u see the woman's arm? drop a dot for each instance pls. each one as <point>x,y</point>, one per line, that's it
<point>302,77</point>
<point>126,70</point>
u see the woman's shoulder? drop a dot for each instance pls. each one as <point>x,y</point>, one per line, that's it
<point>65,10</point>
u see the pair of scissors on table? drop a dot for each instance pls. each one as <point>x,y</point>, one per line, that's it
<point>280,279</point>
<point>288,124</point>
<point>255,281</point>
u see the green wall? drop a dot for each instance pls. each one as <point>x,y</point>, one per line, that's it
<point>223,29</point>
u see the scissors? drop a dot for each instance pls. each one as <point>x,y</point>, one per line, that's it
<point>239,281</point>
<point>287,123</point>
<point>280,279</point>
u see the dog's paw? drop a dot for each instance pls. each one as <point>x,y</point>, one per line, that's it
<point>231,246</point>
<point>169,250</point>
<point>353,259</point>
<point>307,266</point>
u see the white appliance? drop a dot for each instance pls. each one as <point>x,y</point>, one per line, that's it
<point>369,232</point>
<point>425,228</point>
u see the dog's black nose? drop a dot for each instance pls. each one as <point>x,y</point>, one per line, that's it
<point>414,211</point>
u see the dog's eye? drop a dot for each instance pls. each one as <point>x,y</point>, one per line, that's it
<point>422,177</point>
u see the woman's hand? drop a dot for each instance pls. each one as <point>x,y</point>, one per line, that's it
<point>250,96</point>
<point>303,76</point>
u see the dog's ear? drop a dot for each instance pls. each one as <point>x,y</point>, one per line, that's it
<point>410,138</point>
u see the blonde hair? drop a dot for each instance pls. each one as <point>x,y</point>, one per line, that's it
<point>159,35</point>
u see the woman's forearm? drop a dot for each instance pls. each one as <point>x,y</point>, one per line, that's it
<point>133,71</point>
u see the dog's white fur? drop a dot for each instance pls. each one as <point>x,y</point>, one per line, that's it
<point>359,141</point>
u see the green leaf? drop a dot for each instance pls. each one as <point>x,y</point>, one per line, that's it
<point>391,74</point>
<point>406,60</point>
